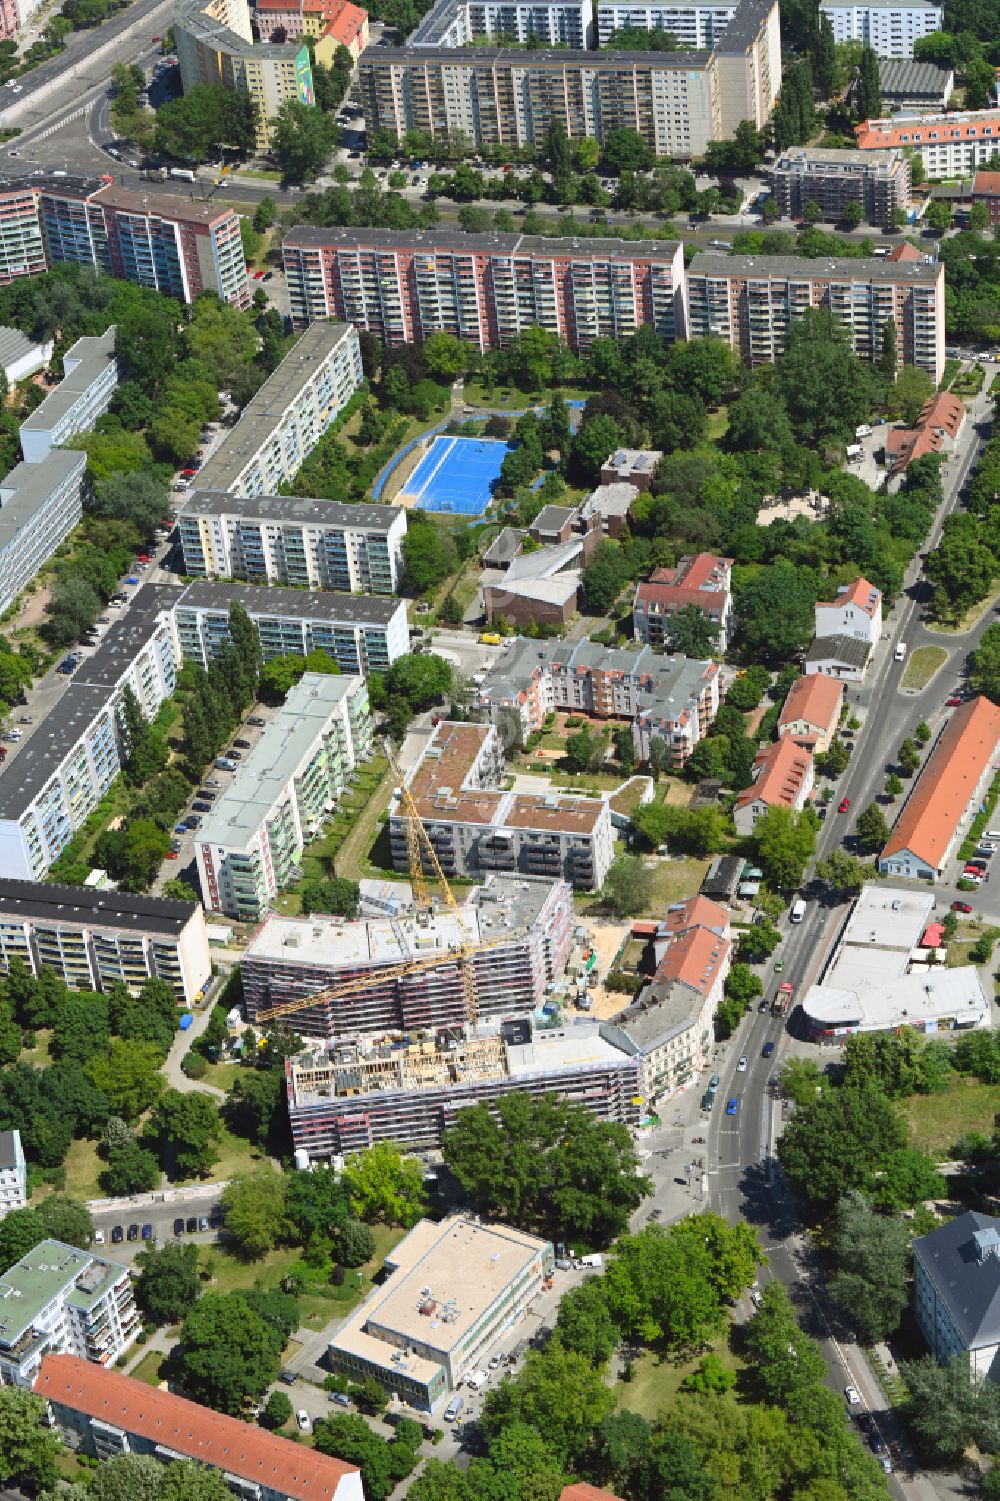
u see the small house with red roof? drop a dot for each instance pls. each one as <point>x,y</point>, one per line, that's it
<point>783,777</point>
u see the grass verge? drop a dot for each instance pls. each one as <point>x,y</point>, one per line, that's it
<point>923,663</point>
<point>148,1369</point>
<point>938,1120</point>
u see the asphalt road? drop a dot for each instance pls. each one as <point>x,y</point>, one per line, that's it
<point>161,1214</point>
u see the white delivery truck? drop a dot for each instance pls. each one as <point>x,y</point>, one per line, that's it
<point>798,911</point>
<point>594,1261</point>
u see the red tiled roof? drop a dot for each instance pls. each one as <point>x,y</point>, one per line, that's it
<point>781,770</point>
<point>929,130</point>
<point>905,252</point>
<point>943,410</point>
<point>950,776</point>
<point>694,957</point>
<point>186,1428</point>
<point>344,20</point>
<point>697,912</point>
<point>987,184</point>
<point>581,1491</point>
<point>860,593</point>
<point>814,698</point>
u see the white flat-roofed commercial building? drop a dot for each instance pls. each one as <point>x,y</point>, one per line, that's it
<point>477,825</point>
<point>454,1289</point>
<point>95,939</point>
<point>63,1301</point>
<point>89,381</point>
<point>889,27</point>
<point>550,23</point>
<point>879,978</point>
<point>285,539</point>
<point>752,300</point>
<point>395,1088</point>
<point>362,632</point>
<point>251,843</point>
<point>13,1173</point>
<point>40,504</point>
<point>281,425</point>
<point>290,958</point>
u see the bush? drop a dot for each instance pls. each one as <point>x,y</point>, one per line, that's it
<point>194,1066</point>
<point>624,983</point>
<point>573,721</point>
<point>275,1412</point>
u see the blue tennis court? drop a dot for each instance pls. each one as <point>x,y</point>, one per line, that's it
<point>456,474</point>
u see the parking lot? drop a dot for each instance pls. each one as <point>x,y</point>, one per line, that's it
<point>157,1214</point>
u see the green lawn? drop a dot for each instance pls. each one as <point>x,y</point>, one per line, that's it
<point>675,879</point>
<point>718,424</point>
<point>82,1167</point>
<point>656,1382</point>
<point>923,663</point>
<point>39,1056</point>
<point>148,1369</point>
<point>938,1120</point>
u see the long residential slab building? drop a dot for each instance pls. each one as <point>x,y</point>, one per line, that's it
<point>56,777</point>
<point>949,145</point>
<point>677,101</point>
<point>285,539</point>
<point>94,939</point>
<point>169,244</point>
<point>552,23</point>
<point>283,793</point>
<point>751,301</point>
<point>485,289</point>
<point>891,28</point>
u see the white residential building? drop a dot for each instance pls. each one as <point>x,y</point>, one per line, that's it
<point>856,611</point>
<point>251,844</point>
<point>40,504</point>
<point>292,410</point>
<point>90,377</point>
<point>949,145</point>
<point>95,939</point>
<point>13,1173</point>
<point>285,539</point>
<point>63,1301</point>
<point>457,23</point>
<point>956,1291</point>
<point>20,356</point>
<point>889,27</point>
<point>695,23</point>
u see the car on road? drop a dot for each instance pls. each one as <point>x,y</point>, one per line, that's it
<point>762,1005</point>
<point>732,1106</point>
<point>961,906</point>
<point>494,1362</point>
<point>952,702</point>
<point>302,1418</point>
<point>178,1227</point>
<point>843,805</point>
<point>767,1050</point>
<point>147,1232</point>
<point>853,1396</point>
<point>741,1066</point>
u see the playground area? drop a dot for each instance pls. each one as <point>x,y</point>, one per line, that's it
<point>455,475</point>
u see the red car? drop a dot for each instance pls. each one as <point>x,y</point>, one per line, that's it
<point>961,906</point>
<point>843,805</point>
<point>173,855</point>
<point>258,276</point>
<point>144,557</point>
<point>953,702</point>
<point>189,472</point>
<point>157,39</point>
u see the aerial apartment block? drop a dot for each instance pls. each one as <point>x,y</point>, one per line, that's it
<point>279,427</point>
<point>525,928</point>
<point>750,301</point>
<point>947,794</point>
<point>546,23</point>
<point>58,1300</point>
<point>453,1289</point>
<point>363,633</point>
<point>94,939</point>
<point>700,581</point>
<point>251,844</point>
<point>13,1173</point>
<point>90,379</point>
<point>476,825</point>
<point>40,504</point>
<point>891,28</point>
<point>485,289</point>
<point>173,245</point>
<point>956,1287</point>
<point>748,65</point>
<point>879,181</point>
<point>507,98</point>
<point>103,1413</point>
<point>672,699</point>
<point>284,539</point>
<point>409,1090</point>
<point>949,145</point>
<point>695,23</point>
<point>215,45</point>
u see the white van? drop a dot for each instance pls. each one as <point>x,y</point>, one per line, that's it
<point>453,1409</point>
<point>901,651</point>
<point>864,431</point>
<point>798,911</point>
<point>594,1260</point>
<point>476,1380</point>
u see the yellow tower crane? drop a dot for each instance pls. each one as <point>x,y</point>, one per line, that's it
<point>418,845</point>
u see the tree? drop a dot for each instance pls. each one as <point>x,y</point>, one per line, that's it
<point>128,1075</point>
<point>801,1080</point>
<point>628,886</point>
<point>127,1477</point>
<point>347,1436</point>
<point>913,387</point>
<point>758,942</point>
<point>265,214</point>
<point>559,1394</point>
<point>873,1264</point>
<point>594,441</point>
<point>275,1412</point>
<point>839,1140</point>
<point>868,89</point>
<point>893,785</point>
<point>625,150</point>
<point>872,828</point>
<point>979,217</point>
<point>187,1480</point>
<point>853,215</point>
<point>21,1230</point>
<point>333,894</point>
<point>887,360</point>
<point>908,756</point>
<point>355,1244</point>
<point>548,1163</point>
<point>445,356</point>
<point>184,1129</point>
<point>168,1284</point>
<point>742,989</point>
<point>585,751</point>
<point>938,215</point>
<point>823,55</point>
<point>28,1448</point>
<point>948,1409</point>
<point>691,633</point>
<point>251,1106</point>
<point>604,577</point>
<point>254,1208</point>
<point>785,844</point>
<point>228,1352</point>
<point>383,1184</point>
<point>776,609</point>
<point>788,1364</point>
<point>584,1323</point>
<point>826,388</point>
<point>301,140</point>
<point>842,872</point>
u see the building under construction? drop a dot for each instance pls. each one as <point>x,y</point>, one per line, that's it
<point>521,931</point>
<point>408,1089</point>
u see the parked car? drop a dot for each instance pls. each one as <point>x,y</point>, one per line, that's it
<point>340,1398</point>
<point>117,1234</point>
<point>242,744</point>
<point>147,1232</point>
<point>961,906</point>
<point>178,1227</point>
<point>191,1225</point>
<point>132,1232</point>
<point>288,1377</point>
<point>257,721</point>
<point>202,807</point>
<point>952,702</point>
<point>203,1222</point>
